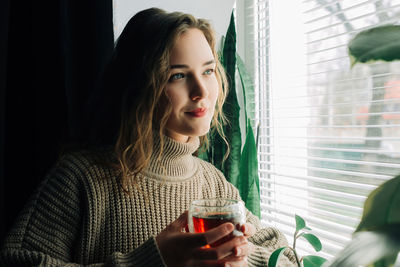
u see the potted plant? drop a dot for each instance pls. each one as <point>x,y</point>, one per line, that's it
<point>302,231</point>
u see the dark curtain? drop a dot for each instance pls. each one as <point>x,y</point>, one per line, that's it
<point>52,54</point>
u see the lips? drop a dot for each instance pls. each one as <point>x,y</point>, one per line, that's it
<point>198,112</point>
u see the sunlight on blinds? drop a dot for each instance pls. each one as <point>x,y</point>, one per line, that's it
<point>329,133</point>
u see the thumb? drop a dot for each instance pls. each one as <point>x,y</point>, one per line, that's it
<point>180,223</point>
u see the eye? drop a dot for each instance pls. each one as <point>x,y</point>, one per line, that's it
<point>176,76</point>
<point>209,72</point>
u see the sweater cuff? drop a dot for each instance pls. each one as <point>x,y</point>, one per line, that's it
<point>146,254</point>
<point>260,257</point>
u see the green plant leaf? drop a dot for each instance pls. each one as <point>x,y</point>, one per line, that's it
<point>248,88</point>
<point>231,109</point>
<point>379,43</point>
<point>313,240</point>
<point>367,248</point>
<point>300,223</point>
<point>381,209</point>
<point>313,261</point>
<point>386,261</point>
<point>274,258</point>
<point>248,184</point>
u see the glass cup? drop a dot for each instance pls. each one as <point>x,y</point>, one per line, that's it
<point>205,214</point>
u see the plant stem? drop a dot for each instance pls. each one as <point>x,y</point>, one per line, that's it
<point>296,257</point>
<point>294,248</point>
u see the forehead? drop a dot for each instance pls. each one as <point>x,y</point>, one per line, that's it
<point>191,45</point>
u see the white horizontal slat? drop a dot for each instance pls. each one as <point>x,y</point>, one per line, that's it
<point>336,205</point>
<point>360,138</point>
<point>344,161</point>
<point>339,149</point>
<point>312,220</point>
<point>335,47</point>
<point>331,3</point>
<point>346,57</point>
<point>352,103</point>
<point>342,10</point>
<point>328,181</point>
<point>326,192</point>
<point>345,197</point>
<point>339,115</point>
<point>311,75</point>
<point>382,178</point>
<point>335,126</point>
<point>350,20</point>
<point>351,91</point>
<point>323,213</point>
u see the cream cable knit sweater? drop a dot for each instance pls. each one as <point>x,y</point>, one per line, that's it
<point>80,216</point>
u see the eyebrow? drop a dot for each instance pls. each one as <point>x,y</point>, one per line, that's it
<point>183,66</point>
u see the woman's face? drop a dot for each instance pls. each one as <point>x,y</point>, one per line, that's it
<point>192,87</point>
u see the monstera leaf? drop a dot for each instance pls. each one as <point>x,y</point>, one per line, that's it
<point>379,43</point>
<point>377,237</point>
<point>369,247</point>
<point>382,208</point>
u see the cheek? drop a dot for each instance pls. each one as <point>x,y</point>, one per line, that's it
<point>213,95</point>
<point>174,99</point>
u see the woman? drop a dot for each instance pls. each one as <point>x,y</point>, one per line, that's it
<point>123,201</point>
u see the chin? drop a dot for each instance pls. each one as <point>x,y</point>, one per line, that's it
<point>200,132</point>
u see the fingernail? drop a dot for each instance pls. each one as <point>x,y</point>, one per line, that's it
<point>237,233</point>
<point>237,252</point>
<point>228,227</point>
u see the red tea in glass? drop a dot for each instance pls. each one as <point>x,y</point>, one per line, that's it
<point>205,222</point>
<point>205,214</point>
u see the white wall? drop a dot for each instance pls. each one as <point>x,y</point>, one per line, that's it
<point>217,11</point>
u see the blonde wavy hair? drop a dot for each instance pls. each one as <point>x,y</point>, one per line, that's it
<point>140,71</point>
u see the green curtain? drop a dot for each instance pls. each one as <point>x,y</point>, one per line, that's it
<point>241,167</point>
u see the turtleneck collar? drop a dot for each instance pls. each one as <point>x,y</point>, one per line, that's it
<point>176,161</point>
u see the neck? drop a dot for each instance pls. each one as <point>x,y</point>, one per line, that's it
<point>172,160</point>
<point>177,137</point>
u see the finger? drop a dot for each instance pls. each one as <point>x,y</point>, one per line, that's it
<point>248,229</point>
<point>179,223</point>
<point>207,263</point>
<point>222,251</point>
<point>232,258</point>
<point>244,250</point>
<point>237,262</point>
<point>209,237</point>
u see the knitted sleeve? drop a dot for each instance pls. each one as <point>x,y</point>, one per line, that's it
<point>46,231</point>
<point>266,241</point>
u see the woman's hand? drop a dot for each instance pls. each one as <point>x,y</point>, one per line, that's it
<point>186,249</point>
<point>248,229</point>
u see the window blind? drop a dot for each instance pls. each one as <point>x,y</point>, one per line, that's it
<point>329,133</point>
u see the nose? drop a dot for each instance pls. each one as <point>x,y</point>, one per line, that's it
<point>199,89</point>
